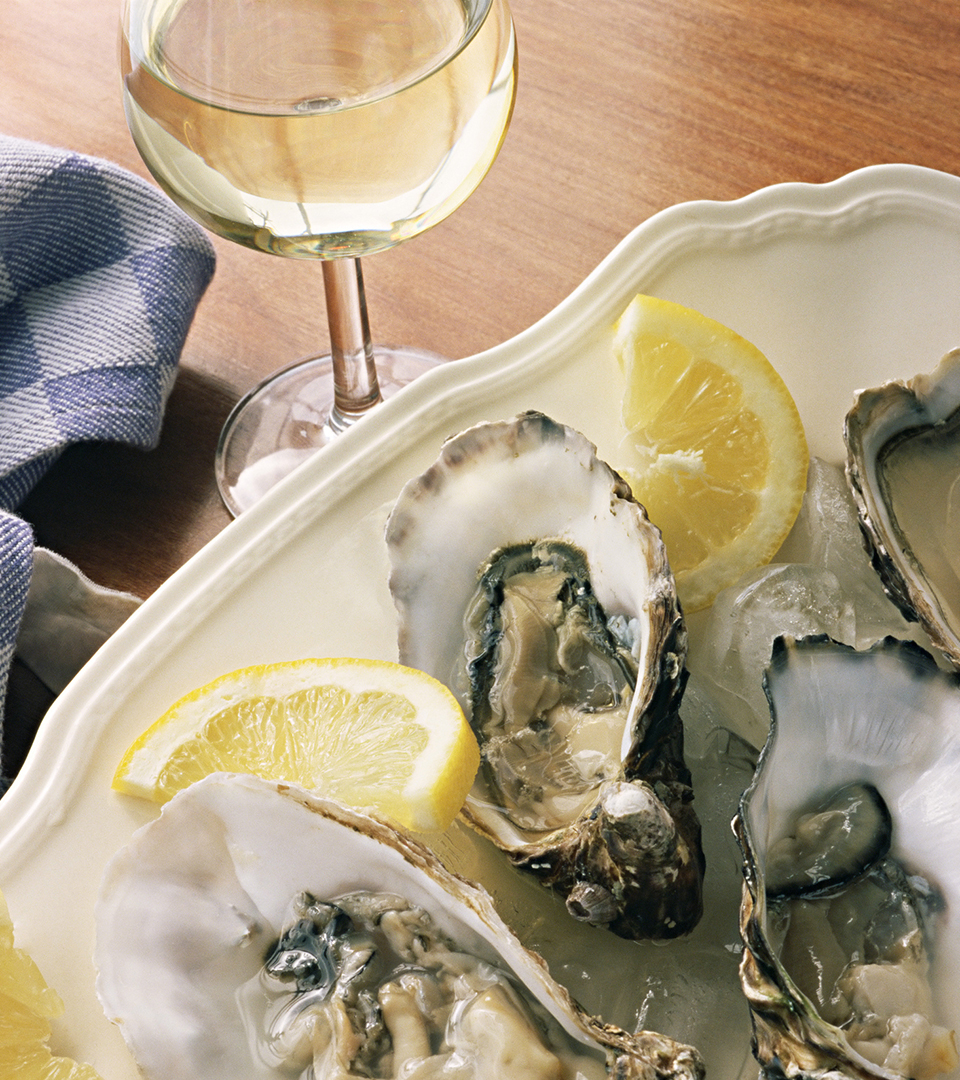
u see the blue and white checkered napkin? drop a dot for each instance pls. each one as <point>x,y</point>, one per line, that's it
<point>100,276</point>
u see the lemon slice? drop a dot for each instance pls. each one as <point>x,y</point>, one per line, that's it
<point>27,1005</point>
<point>366,732</point>
<point>717,450</point>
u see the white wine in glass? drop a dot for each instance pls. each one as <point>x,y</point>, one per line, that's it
<point>328,129</point>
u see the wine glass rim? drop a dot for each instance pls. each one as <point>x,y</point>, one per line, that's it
<point>478,12</point>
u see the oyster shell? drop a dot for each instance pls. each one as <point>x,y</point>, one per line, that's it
<point>529,580</point>
<point>851,889</point>
<point>213,975</point>
<point>903,466</point>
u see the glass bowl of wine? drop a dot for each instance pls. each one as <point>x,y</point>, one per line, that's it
<point>317,129</point>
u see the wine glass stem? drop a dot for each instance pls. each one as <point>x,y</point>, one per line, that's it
<point>355,385</point>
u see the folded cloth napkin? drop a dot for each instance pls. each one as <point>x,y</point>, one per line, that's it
<point>100,277</point>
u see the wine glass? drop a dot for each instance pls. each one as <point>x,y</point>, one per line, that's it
<point>323,129</point>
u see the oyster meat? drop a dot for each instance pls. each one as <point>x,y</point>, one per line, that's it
<point>528,579</point>
<point>903,466</point>
<point>851,888</point>
<point>255,930</point>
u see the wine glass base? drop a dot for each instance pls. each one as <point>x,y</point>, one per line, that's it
<point>286,420</point>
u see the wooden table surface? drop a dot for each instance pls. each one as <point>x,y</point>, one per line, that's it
<point>624,107</point>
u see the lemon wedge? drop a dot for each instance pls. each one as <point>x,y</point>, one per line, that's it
<point>366,732</point>
<point>27,1005</point>
<point>715,444</point>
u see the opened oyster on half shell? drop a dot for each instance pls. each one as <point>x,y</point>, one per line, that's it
<point>257,932</point>
<point>529,580</point>
<point>903,466</point>
<point>849,834</point>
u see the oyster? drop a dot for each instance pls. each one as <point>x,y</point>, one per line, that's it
<point>255,930</point>
<point>851,889</point>
<point>903,466</point>
<point>529,580</point>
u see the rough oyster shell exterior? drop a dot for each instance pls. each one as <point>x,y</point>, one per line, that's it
<point>631,860</point>
<point>186,909</point>
<point>901,441</point>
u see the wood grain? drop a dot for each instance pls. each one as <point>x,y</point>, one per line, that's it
<point>624,107</point>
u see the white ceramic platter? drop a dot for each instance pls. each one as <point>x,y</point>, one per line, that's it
<point>842,286</point>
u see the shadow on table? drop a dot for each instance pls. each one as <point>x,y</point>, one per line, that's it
<point>127,518</point>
